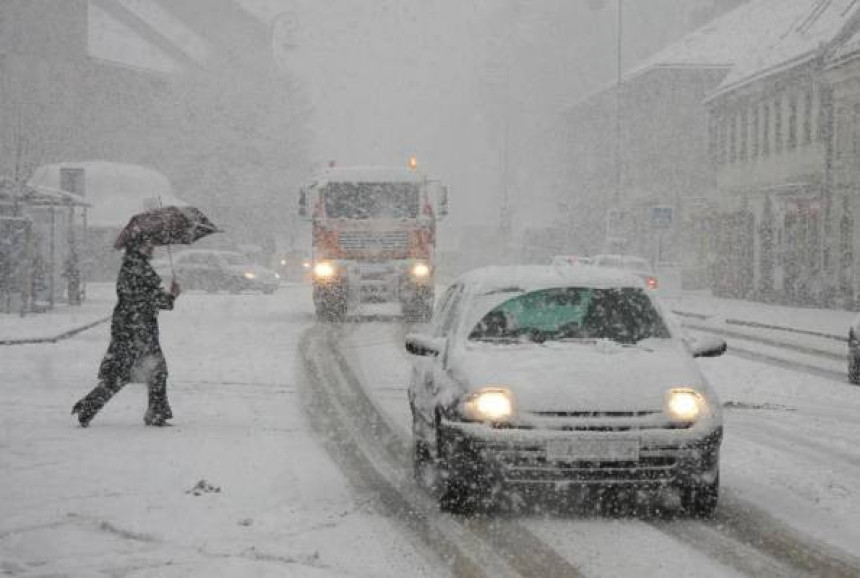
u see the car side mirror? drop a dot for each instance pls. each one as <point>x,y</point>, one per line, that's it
<point>707,346</point>
<point>424,346</point>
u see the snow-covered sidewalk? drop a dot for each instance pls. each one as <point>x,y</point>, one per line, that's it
<point>61,320</point>
<point>240,486</point>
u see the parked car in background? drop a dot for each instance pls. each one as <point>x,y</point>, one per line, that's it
<point>552,377</point>
<point>631,264</point>
<point>854,352</point>
<point>212,270</point>
<point>295,266</point>
<point>571,260</point>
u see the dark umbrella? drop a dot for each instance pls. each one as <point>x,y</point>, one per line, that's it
<point>165,226</point>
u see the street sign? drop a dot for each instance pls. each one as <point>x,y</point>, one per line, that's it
<point>660,217</point>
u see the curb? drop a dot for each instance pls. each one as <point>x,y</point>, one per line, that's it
<point>757,325</point>
<point>56,338</point>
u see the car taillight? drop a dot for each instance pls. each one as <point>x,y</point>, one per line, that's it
<point>651,282</point>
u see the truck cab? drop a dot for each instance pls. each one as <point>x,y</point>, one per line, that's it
<point>373,238</point>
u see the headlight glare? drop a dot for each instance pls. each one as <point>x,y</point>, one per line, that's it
<point>685,404</point>
<point>250,275</point>
<point>489,404</point>
<point>324,270</point>
<point>420,270</point>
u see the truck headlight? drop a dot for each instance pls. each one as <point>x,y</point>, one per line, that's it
<point>250,275</point>
<point>420,270</point>
<point>489,404</point>
<point>324,270</point>
<point>685,404</point>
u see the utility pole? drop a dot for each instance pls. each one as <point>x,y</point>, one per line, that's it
<point>619,51</point>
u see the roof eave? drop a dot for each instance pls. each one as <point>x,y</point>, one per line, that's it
<point>762,74</point>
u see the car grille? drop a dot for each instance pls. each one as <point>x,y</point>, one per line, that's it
<point>530,465</point>
<point>376,241</point>
<point>598,421</point>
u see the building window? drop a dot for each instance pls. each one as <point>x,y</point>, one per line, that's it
<point>807,118</point>
<point>792,122</point>
<point>765,134</point>
<point>824,108</point>
<point>855,133</point>
<point>733,138</point>
<point>744,136</point>
<point>754,133</point>
<point>777,126</point>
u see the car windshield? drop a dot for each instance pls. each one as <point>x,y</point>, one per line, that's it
<point>371,200</point>
<point>625,315</point>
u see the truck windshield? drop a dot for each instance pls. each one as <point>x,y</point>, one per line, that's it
<point>371,200</point>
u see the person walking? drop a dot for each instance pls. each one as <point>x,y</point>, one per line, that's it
<point>134,345</point>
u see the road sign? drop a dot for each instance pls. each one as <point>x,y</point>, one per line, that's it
<point>660,217</point>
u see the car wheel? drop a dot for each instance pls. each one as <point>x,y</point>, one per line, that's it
<point>331,306</point>
<point>853,368</point>
<point>700,500</point>
<point>462,483</point>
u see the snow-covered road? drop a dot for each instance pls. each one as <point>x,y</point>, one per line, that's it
<point>305,431</point>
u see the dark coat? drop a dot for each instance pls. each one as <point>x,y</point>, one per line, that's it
<point>134,327</point>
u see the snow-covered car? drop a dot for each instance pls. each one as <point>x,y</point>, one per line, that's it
<point>556,377</point>
<point>635,265</point>
<point>213,270</point>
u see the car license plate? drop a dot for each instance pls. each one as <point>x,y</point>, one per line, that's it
<point>593,450</point>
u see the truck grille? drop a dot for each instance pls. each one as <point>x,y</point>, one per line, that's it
<point>374,241</point>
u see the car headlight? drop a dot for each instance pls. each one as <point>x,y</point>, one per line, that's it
<point>685,405</point>
<point>489,404</point>
<point>277,276</point>
<point>324,270</point>
<point>420,270</point>
<point>250,275</point>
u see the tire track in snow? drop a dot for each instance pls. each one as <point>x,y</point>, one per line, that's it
<point>334,423</point>
<point>509,547</point>
<point>784,439</point>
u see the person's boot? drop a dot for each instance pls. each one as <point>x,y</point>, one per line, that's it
<point>155,417</point>
<point>87,407</point>
<point>158,410</point>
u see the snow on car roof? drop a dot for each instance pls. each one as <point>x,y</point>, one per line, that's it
<point>534,277</point>
<point>368,175</point>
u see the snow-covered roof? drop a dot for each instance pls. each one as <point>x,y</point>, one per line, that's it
<point>851,47</point>
<point>719,43</point>
<point>369,175</point>
<point>536,277</point>
<point>786,33</point>
<point>115,191</point>
<point>716,45</point>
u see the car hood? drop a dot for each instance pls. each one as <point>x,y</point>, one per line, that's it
<point>586,376</point>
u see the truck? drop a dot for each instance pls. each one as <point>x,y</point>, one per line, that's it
<point>373,238</point>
